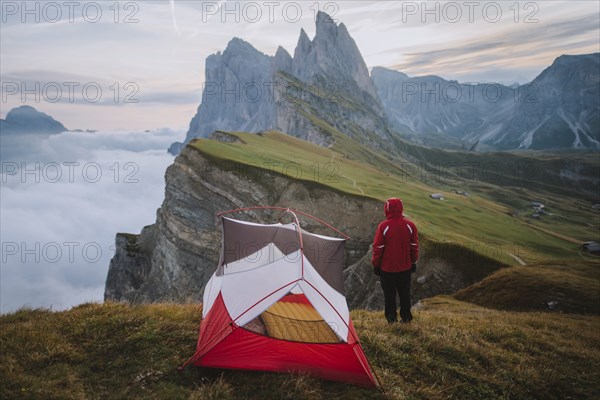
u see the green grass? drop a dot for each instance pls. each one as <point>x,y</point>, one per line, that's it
<point>452,350</point>
<point>485,222</point>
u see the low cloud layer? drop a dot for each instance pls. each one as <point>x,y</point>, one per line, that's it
<point>63,200</point>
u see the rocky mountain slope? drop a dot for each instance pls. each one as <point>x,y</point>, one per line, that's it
<point>28,120</point>
<point>174,258</point>
<point>325,82</point>
<point>430,106</point>
<point>560,109</point>
<point>564,112</point>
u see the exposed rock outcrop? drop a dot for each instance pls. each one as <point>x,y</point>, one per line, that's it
<point>442,269</point>
<point>325,82</point>
<point>238,92</point>
<point>332,54</point>
<point>175,257</point>
<point>129,267</point>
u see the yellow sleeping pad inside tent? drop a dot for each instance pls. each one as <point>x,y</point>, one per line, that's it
<point>298,322</point>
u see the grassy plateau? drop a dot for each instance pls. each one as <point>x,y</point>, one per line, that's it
<point>493,220</point>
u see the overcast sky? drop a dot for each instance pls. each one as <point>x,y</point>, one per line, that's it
<point>153,52</point>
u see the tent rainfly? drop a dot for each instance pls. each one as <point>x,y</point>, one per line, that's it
<point>276,303</point>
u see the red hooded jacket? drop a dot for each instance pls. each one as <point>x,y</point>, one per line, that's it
<point>396,244</point>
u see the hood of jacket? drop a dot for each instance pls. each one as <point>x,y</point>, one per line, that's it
<point>393,208</point>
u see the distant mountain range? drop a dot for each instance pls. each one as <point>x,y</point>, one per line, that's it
<point>327,82</point>
<point>564,111</point>
<point>325,90</point>
<point>558,109</point>
<point>27,120</point>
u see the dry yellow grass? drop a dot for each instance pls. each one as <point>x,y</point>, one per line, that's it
<point>452,350</point>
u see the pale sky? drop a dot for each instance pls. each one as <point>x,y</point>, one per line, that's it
<point>154,51</point>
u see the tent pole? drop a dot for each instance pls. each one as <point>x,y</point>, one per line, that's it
<point>286,209</point>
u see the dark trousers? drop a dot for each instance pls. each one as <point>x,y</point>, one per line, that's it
<point>392,283</point>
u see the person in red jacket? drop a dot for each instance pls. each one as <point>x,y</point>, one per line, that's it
<point>395,255</point>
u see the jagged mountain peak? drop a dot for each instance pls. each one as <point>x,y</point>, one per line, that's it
<point>331,60</point>
<point>332,54</point>
<point>237,52</point>
<point>238,43</point>
<point>239,47</point>
<point>326,26</point>
<point>282,61</point>
<point>282,52</point>
<point>303,47</point>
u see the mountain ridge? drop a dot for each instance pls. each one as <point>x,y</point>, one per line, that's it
<point>327,78</point>
<point>530,116</point>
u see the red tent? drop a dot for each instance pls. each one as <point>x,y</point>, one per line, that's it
<point>276,303</point>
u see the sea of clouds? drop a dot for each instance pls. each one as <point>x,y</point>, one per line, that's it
<point>63,197</point>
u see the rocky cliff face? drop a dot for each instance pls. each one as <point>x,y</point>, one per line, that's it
<point>332,54</point>
<point>237,94</point>
<point>326,81</point>
<point>174,258</point>
<point>442,269</point>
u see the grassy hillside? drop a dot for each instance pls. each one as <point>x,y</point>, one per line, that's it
<point>573,285</point>
<point>453,350</point>
<point>492,221</point>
